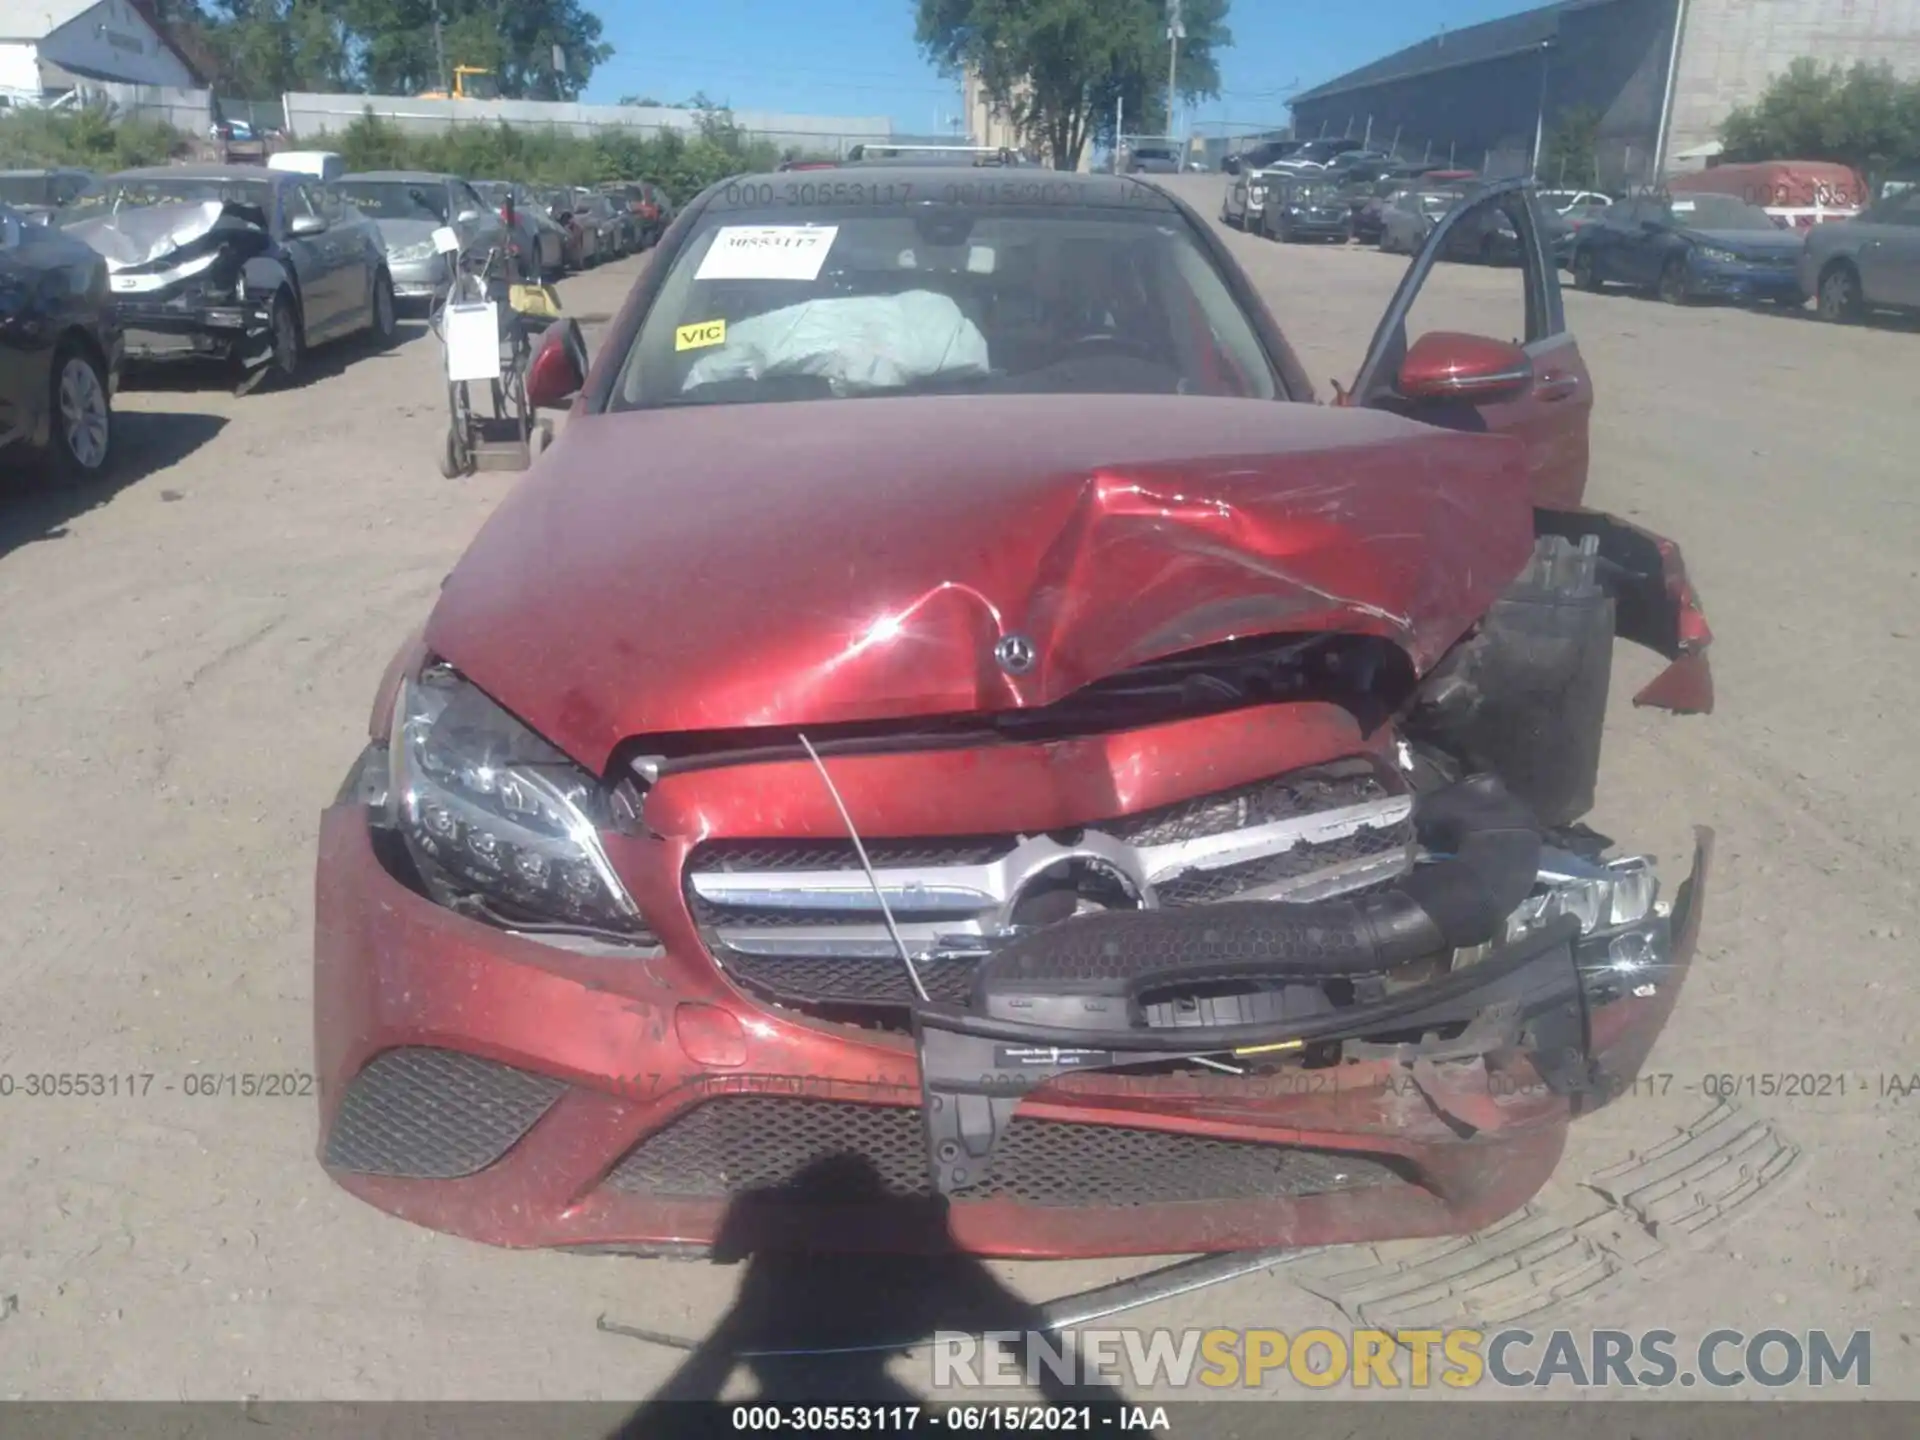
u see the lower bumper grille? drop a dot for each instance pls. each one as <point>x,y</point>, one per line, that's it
<point>830,1150</point>
<point>428,1114</point>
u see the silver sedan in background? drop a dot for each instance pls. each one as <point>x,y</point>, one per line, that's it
<point>1407,216</point>
<point>408,206</point>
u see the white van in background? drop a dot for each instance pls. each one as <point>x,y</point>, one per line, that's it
<point>323,165</point>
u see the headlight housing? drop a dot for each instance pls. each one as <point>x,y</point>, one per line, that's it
<point>497,820</point>
<point>1717,255</point>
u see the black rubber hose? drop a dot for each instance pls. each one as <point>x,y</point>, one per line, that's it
<point>1489,846</point>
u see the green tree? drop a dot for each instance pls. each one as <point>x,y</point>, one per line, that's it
<point>1570,155</point>
<point>1059,66</point>
<point>261,48</point>
<point>1864,116</point>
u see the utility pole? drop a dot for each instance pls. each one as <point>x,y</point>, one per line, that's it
<point>1119,115</point>
<point>1176,32</point>
<point>1540,115</point>
<point>440,52</point>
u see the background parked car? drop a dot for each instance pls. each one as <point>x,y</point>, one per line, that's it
<point>1304,207</point>
<point>577,247</point>
<point>36,194</point>
<point>1151,159</point>
<point>649,204</point>
<point>618,226</point>
<point>60,349</point>
<point>236,262</point>
<point>1690,247</point>
<point>1408,217</point>
<point>1256,156</point>
<point>1564,201</point>
<point>408,206</point>
<point>1871,263</point>
<point>539,245</point>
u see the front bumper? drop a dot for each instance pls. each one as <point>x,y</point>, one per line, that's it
<point>521,1094</point>
<point>1322,227</point>
<point>426,279</point>
<point>1743,281</point>
<point>163,330</point>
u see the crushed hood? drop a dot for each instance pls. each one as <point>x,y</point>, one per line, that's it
<point>144,234</point>
<point>709,568</point>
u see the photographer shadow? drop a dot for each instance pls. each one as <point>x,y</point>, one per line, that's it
<point>851,1313</point>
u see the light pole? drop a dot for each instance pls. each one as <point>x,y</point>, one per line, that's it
<point>1540,113</point>
<point>1176,32</point>
<point>440,52</point>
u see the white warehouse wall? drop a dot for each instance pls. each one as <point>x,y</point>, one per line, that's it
<point>1732,48</point>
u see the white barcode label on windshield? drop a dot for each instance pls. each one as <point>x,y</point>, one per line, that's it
<point>767,252</point>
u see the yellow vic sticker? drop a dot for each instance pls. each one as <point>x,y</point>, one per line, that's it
<point>701,335</point>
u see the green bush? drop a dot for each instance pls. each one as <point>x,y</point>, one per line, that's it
<point>90,138</point>
<point>685,166</point>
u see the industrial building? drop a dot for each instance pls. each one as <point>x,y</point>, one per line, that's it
<point>53,46</point>
<point>1661,74</point>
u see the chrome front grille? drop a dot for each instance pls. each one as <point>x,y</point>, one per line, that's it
<point>798,920</point>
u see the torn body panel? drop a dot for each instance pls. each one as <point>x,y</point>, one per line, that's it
<point>1655,603</point>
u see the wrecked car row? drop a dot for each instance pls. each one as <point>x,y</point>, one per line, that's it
<point>953,721</point>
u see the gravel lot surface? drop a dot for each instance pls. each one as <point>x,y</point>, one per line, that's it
<point>185,671</point>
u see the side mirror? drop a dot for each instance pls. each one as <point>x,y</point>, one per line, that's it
<point>1446,365</point>
<point>467,217</point>
<point>307,225</point>
<point>559,368</point>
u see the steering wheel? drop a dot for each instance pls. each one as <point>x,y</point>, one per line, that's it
<point>1103,343</point>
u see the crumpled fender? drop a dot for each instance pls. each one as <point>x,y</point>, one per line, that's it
<point>1655,603</point>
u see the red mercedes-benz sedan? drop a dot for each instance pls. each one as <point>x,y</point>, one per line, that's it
<point>952,702</point>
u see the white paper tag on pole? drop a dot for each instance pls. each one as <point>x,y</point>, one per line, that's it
<point>473,341</point>
<point>767,252</point>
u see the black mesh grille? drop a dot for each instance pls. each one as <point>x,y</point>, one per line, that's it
<point>848,979</point>
<point>737,855</point>
<point>728,1147</point>
<point>435,1114</point>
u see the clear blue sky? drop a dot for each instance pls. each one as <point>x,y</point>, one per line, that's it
<point>857,57</point>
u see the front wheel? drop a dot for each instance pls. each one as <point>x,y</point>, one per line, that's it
<point>384,323</point>
<point>1673,282</point>
<point>1840,299</point>
<point>1585,277</point>
<point>80,418</point>
<point>285,325</point>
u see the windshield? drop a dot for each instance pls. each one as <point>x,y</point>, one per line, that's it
<point>26,189</point>
<point>941,299</point>
<point>187,190</point>
<point>1314,194</point>
<point>1438,201</point>
<point>397,199</point>
<point>1719,212</point>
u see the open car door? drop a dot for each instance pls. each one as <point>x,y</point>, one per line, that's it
<point>1535,388</point>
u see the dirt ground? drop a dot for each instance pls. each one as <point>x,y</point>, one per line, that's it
<point>185,669</point>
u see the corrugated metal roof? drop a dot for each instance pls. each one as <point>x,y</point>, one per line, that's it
<point>1509,35</point>
<point>37,19</point>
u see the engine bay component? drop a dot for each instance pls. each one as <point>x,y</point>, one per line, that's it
<point>1525,696</point>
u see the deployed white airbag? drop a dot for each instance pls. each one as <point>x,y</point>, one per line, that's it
<point>857,341</point>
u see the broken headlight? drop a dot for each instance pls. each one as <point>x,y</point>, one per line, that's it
<point>497,820</point>
<point>1623,928</point>
<point>1603,895</point>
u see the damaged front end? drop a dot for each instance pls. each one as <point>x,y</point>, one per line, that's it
<point>187,282</point>
<point>1509,956</point>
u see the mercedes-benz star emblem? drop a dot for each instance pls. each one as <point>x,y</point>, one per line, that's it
<point>1016,654</point>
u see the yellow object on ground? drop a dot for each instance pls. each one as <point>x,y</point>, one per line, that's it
<point>542,300</point>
